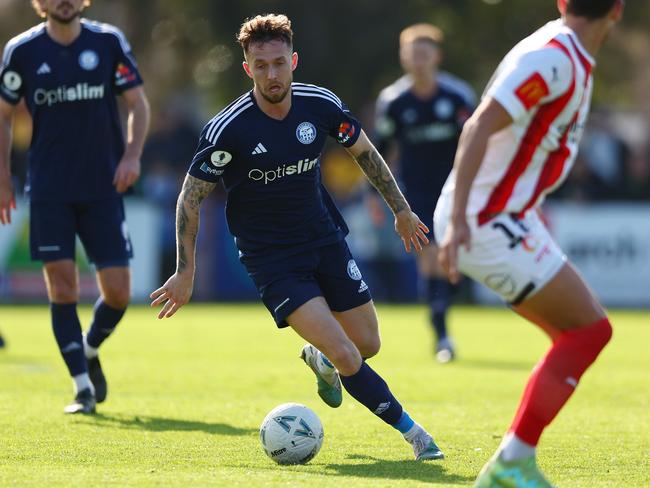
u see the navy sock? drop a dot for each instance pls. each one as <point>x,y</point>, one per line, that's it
<point>439,298</point>
<point>67,331</point>
<point>369,389</point>
<point>104,322</point>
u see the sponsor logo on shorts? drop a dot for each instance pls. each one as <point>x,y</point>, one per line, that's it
<point>306,133</point>
<point>501,283</point>
<point>362,287</point>
<point>353,270</point>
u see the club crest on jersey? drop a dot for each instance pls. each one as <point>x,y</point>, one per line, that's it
<point>220,158</point>
<point>306,133</point>
<point>443,108</point>
<point>12,81</point>
<point>88,60</point>
<point>353,270</point>
<point>346,132</point>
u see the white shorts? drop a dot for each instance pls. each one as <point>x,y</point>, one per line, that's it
<point>515,257</point>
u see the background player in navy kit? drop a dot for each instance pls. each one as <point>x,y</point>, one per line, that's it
<point>69,71</point>
<point>423,112</point>
<point>266,147</point>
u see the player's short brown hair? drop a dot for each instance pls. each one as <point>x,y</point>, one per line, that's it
<point>41,13</point>
<point>265,28</point>
<point>591,9</point>
<point>421,32</point>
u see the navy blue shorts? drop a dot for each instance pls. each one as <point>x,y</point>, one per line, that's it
<point>100,225</point>
<point>328,271</point>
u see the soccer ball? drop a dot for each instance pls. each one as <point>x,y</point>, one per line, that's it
<point>291,434</point>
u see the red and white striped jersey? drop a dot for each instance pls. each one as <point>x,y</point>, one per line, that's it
<point>545,84</point>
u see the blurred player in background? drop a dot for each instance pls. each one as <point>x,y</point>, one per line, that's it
<point>265,147</point>
<point>519,146</point>
<point>69,71</point>
<point>424,112</point>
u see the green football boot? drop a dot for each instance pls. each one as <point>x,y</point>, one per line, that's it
<point>329,386</point>
<point>520,473</point>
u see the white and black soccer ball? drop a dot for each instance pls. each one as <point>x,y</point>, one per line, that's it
<point>291,433</point>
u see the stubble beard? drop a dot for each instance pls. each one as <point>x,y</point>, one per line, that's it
<point>275,98</point>
<point>65,20</point>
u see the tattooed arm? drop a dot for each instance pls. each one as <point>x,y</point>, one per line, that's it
<point>407,224</point>
<point>177,291</point>
<point>378,173</point>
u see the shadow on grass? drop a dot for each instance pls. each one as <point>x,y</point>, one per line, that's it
<point>494,364</point>
<point>161,424</point>
<point>425,472</point>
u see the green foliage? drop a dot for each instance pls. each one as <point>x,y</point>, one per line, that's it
<point>187,396</point>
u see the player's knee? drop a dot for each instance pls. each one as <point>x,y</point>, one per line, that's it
<point>370,347</point>
<point>117,298</point>
<point>591,339</point>
<point>345,356</point>
<point>62,289</point>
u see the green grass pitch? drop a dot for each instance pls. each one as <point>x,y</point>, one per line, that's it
<point>187,395</point>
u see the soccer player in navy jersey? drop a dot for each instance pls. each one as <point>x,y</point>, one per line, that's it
<point>69,71</point>
<point>265,147</point>
<point>423,112</point>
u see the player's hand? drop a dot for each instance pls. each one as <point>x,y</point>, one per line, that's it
<point>411,229</point>
<point>126,174</point>
<point>175,293</point>
<point>7,200</point>
<point>457,234</point>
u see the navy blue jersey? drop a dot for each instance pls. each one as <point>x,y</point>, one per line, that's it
<point>426,131</point>
<point>276,203</point>
<point>70,91</point>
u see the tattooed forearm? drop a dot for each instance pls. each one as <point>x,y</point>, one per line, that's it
<point>187,219</point>
<point>377,171</point>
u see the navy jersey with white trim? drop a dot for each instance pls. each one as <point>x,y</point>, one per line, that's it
<point>70,92</point>
<point>276,203</point>
<point>426,131</point>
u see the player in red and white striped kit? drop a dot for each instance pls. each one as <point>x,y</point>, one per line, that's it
<point>517,147</point>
